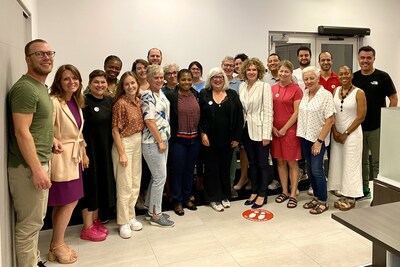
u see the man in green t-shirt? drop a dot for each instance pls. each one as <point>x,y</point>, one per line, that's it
<point>30,112</point>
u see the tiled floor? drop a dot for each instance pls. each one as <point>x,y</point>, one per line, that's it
<point>207,238</point>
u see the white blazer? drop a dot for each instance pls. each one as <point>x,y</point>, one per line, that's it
<point>257,109</point>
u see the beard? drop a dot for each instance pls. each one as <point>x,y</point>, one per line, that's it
<point>304,64</point>
<point>38,69</point>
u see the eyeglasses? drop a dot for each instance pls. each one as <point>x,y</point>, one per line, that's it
<point>217,77</point>
<point>229,65</point>
<point>171,73</point>
<point>41,54</point>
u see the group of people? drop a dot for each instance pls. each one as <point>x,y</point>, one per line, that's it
<point>95,139</point>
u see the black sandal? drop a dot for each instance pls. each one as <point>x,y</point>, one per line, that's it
<point>312,204</point>
<point>281,198</point>
<point>292,203</point>
<point>318,210</point>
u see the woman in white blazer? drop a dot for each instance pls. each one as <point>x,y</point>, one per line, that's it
<point>256,99</point>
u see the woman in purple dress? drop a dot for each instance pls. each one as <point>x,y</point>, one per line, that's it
<point>68,149</point>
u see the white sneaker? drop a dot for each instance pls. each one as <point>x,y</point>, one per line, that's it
<point>125,231</point>
<point>135,225</point>
<point>274,185</point>
<point>217,206</point>
<point>310,191</point>
<point>225,203</point>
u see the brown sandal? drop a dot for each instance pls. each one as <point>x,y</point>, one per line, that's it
<point>63,254</point>
<point>292,203</point>
<point>281,198</point>
<point>312,204</point>
<point>347,204</point>
<point>319,208</point>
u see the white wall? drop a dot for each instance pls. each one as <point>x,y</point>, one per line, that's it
<point>84,32</point>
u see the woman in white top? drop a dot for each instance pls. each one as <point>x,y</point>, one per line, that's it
<point>345,172</point>
<point>256,99</point>
<point>314,123</point>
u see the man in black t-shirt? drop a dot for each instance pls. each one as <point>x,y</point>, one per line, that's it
<point>377,85</point>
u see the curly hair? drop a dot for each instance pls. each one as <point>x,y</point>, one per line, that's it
<point>257,63</point>
<point>57,90</point>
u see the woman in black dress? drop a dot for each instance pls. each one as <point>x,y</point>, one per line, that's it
<point>221,124</point>
<point>98,177</point>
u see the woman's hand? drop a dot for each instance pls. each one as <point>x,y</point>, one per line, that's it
<point>234,144</point>
<point>282,132</point>
<point>162,147</point>
<point>265,142</point>
<point>316,148</point>
<point>204,140</point>
<point>123,160</point>
<point>342,138</point>
<point>275,132</point>
<point>57,146</point>
<point>85,161</point>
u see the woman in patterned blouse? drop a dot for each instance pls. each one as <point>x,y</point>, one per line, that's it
<point>314,123</point>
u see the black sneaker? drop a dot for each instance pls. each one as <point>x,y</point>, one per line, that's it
<point>41,264</point>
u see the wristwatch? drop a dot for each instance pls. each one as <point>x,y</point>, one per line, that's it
<point>320,141</point>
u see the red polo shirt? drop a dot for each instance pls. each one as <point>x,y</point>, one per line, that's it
<point>331,83</point>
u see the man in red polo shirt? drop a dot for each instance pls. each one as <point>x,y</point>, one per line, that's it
<point>328,79</point>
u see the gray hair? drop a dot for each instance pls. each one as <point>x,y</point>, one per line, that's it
<point>311,69</point>
<point>228,58</point>
<point>153,70</point>
<point>212,73</point>
<point>166,67</point>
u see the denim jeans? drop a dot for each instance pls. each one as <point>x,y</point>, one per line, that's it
<point>315,169</point>
<point>259,170</point>
<point>182,159</point>
<point>157,163</point>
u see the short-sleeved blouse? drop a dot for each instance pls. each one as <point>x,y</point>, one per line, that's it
<point>155,106</point>
<point>313,114</point>
<point>127,116</point>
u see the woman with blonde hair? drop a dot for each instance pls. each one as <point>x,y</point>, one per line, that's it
<point>256,99</point>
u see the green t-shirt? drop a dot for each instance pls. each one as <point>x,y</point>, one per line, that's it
<point>31,97</point>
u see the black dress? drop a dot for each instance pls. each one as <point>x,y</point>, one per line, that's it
<point>223,123</point>
<point>98,179</point>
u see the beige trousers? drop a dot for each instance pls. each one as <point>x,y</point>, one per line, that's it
<point>128,178</point>
<point>30,205</point>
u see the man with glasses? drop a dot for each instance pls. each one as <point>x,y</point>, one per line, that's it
<point>228,66</point>
<point>30,112</point>
<point>377,85</point>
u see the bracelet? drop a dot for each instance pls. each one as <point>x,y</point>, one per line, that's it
<point>347,132</point>
<point>320,141</point>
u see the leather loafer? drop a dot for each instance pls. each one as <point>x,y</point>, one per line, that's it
<point>179,210</point>
<point>190,205</point>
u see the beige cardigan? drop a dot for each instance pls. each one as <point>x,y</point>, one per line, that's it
<point>65,166</point>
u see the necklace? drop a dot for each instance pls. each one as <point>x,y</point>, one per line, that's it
<point>344,96</point>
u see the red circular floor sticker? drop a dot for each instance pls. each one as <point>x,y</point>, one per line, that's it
<point>258,215</point>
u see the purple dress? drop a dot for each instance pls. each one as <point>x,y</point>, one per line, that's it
<point>63,193</point>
